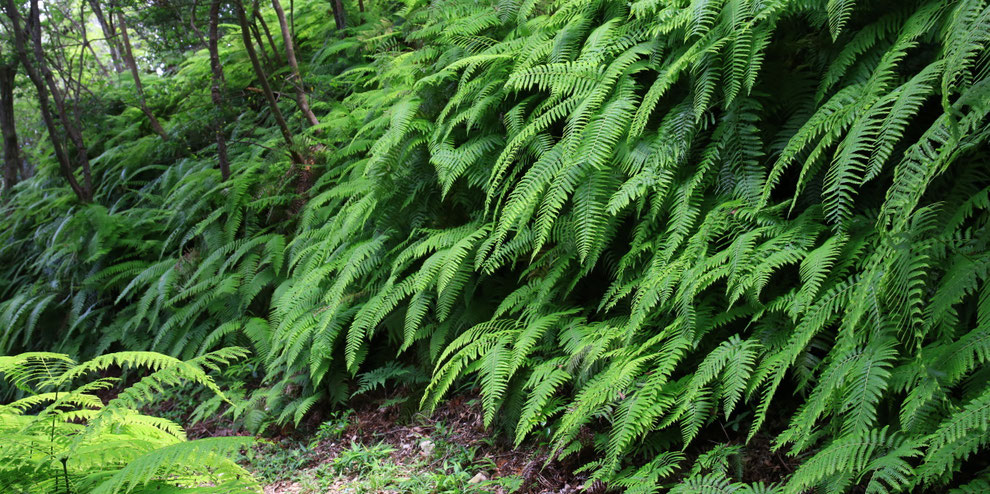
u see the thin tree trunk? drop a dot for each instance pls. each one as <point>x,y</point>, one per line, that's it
<point>268,34</point>
<point>80,27</point>
<point>263,82</point>
<point>73,131</point>
<point>192,23</point>
<point>338,14</point>
<point>216,93</point>
<point>77,111</point>
<point>361,6</point>
<point>132,65</point>
<point>296,77</point>
<point>11,163</point>
<point>103,68</point>
<point>261,46</point>
<point>41,78</point>
<point>108,34</point>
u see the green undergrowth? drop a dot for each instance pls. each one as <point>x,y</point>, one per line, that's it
<point>60,435</point>
<point>654,235</point>
<point>416,463</point>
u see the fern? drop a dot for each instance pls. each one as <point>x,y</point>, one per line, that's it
<point>636,229</point>
<point>61,435</point>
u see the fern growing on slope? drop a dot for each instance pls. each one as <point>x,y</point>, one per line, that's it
<point>632,226</point>
<point>60,437</point>
<point>677,188</point>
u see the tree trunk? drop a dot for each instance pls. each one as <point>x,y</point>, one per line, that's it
<point>132,65</point>
<point>361,6</point>
<point>216,93</point>
<point>108,34</point>
<point>261,46</point>
<point>43,81</point>
<point>256,15</point>
<point>11,163</point>
<point>263,82</point>
<point>192,23</point>
<point>73,131</point>
<point>338,14</point>
<point>296,77</point>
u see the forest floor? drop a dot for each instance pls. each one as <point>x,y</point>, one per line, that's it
<point>382,446</point>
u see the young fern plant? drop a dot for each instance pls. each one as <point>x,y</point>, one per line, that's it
<point>61,438</point>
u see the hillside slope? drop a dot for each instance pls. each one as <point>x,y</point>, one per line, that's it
<point>653,231</point>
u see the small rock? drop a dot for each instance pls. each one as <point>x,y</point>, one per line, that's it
<point>426,446</point>
<point>478,478</point>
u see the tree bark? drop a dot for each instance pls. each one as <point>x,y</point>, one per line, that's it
<point>11,162</point>
<point>338,14</point>
<point>261,46</point>
<point>263,82</point>
<point>44,82</point>
<point>132,65</point>
<point>216,93</point>
<point>256,14</point>
<point>108,33</point>
<point>361,6</point>
<point>295,76</point>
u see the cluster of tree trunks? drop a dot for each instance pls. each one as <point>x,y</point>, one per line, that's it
<point>62,118</point>
<point>36,67</point>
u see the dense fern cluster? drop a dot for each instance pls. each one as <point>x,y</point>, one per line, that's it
<point>633,225</point>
